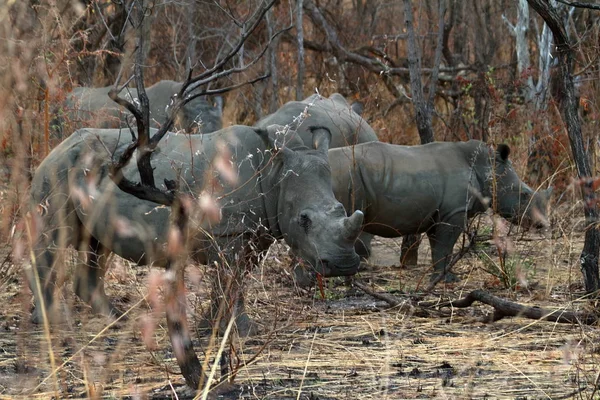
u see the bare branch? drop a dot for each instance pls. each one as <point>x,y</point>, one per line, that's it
<point>579,4</point>
<point>245,35</point>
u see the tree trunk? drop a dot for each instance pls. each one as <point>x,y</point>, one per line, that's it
<point>422,109</point>
<point>569,108</point>
<point>409,252</point>
<point>300,38</point>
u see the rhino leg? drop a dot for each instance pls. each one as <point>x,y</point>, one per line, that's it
<point>88,283</point>
<point>228,286</point>
<point>442,239</point>
<point>363,245</point>
<point>227,301</point>
<point>409,251</point>
<point>60,229</point>
<point>42,281</point>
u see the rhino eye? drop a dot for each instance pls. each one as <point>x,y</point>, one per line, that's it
<point>305,222</point>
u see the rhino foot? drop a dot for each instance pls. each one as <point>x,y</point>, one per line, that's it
<point>244,325</point>
<point>54,317</point>
<point>105,307</point>
<point>449,277</point>
<point>303,277</point>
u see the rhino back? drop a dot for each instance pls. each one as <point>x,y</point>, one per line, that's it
<point>93,107</point>
<point>346,126</point>
<point>402,189</point>
<point>136,229</point>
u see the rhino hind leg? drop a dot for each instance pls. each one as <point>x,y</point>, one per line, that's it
<point>409,251</point>
<point>442,239</point>
<point>88,282</point>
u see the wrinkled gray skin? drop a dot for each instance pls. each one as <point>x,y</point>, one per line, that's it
<point>346,126</point>
<point>92,107</point>
<point>431,189</point>
<point>287,195</point>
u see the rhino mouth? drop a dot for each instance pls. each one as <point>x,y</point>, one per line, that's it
<point>329,268</point>
<point>305,274</point>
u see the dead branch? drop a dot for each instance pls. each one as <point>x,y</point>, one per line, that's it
<point>580,4</point>
<point>388,298</point>
<point>504,308</point>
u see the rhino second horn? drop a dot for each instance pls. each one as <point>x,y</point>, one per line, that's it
<point>352,225</point>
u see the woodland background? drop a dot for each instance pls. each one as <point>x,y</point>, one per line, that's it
<point>487,70</point>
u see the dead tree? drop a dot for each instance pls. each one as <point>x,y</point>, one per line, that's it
<point>569,109</point>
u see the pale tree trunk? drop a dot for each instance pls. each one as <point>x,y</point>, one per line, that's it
<point>542,89</point>
<point>423,108</point>
<point>190,52</point>
<point>274,102</point>
<point>300,38</point>
<point>536,93</point>
<point>569,109</point>
<point>519,32</point>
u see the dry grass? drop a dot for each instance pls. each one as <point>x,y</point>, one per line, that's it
<point>348,346</point>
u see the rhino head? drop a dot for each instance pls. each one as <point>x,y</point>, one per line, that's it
<point>313,223</point>
<point>204,112</point>
<point>516,201</point>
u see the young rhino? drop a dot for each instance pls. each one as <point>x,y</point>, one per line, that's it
<point>433,189</point>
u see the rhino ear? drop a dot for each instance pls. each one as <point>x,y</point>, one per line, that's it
<point>503,151</point>
<point>358,107</point>
<point>266,138</point>
<point>321,138</point>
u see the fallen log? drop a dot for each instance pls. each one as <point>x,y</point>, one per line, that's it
<point>504,308</point>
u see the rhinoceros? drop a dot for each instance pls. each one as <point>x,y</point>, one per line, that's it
<point>92,107</point>
<point>433,189</point>
<point>346,126</point>
<point>280,193</point>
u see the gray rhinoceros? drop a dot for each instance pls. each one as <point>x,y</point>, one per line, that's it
<point>92,107</point>
<point>280,193</point>
<point>431,189</point>
<point>346,126</point>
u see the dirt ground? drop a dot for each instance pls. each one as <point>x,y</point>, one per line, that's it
<point>344,346</point>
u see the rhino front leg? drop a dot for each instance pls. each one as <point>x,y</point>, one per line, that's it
<point>88,283</point>
<point>442,239</point>
<point>228,285</point>
<point>227,301</point>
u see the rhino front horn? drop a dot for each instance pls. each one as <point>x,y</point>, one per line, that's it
<point>352,225</point>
